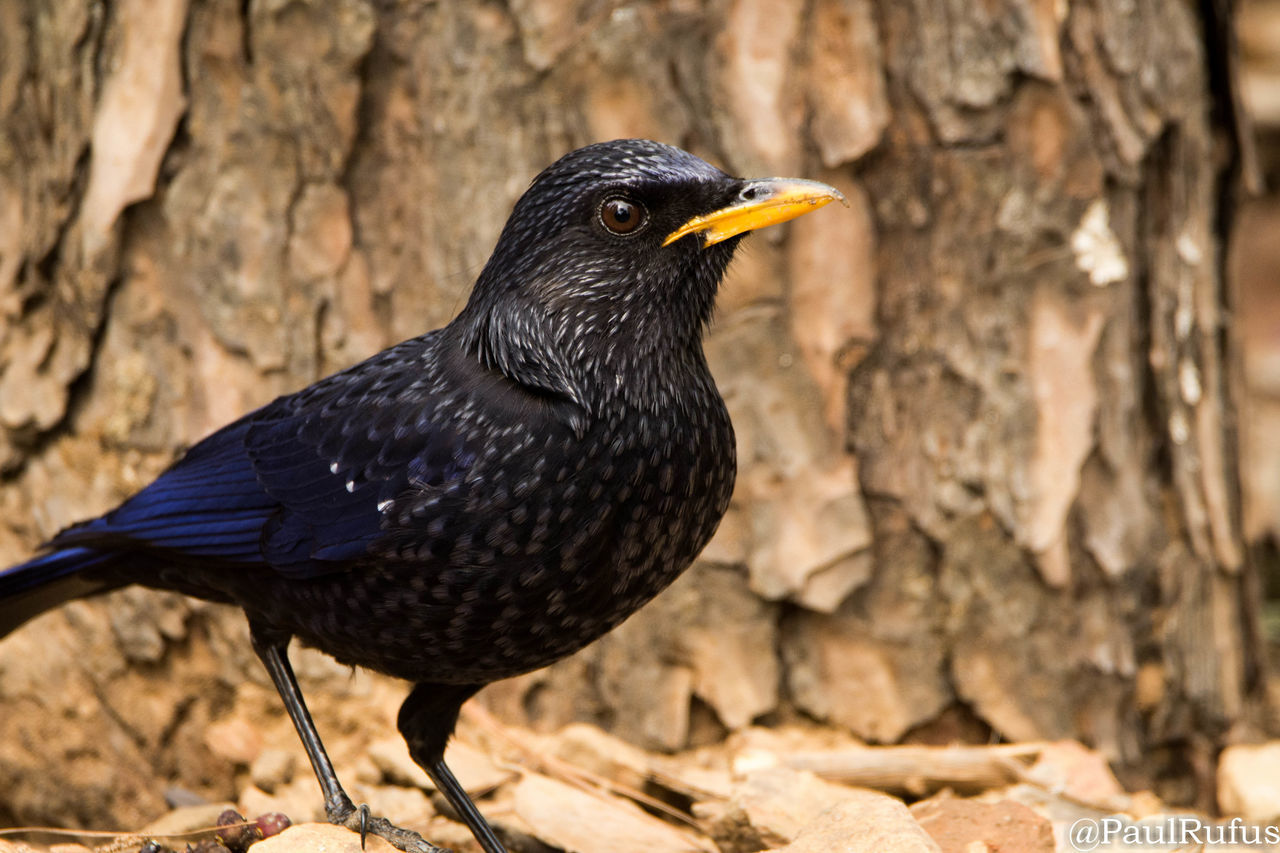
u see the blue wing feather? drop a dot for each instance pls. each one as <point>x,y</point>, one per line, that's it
<point>297,486</point>
<point>208,504</point>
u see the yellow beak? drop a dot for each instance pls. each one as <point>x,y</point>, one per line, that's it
<point>764,202</point>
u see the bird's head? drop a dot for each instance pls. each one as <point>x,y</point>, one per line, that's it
<point>616,251</point>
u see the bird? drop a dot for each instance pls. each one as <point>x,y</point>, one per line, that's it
<point>484,499</point>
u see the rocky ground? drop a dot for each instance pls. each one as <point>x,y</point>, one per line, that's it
<point>797,790</point>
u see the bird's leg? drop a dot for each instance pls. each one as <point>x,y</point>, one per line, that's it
<point>271,648</point>
<point>426,720</point>
<point>448,785</point>
<point>274,656</point>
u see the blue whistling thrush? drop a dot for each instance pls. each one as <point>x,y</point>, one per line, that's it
<point>484,499</point>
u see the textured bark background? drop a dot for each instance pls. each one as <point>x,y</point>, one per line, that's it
<point>989,482</point>
<point>1255,271</point>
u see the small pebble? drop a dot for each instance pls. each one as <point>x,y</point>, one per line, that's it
<point>272,769</point>
<point>273,823</point>
<point>235,833</point>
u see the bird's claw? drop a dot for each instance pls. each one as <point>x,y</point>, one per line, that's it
<point>360,819</point>
<point>364,823</point>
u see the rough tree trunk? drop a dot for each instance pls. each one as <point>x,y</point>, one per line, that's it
<point>989,482</point>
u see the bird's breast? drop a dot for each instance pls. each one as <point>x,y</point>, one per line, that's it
<point>555,537</point>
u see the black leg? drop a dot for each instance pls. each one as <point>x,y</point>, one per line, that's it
<point>427,719</point>
<point>271,649</point>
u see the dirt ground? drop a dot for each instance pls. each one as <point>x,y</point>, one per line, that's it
<point>794,789</point>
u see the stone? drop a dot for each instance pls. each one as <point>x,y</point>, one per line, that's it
<point>272,768</point>
<point>575,821</point>
<point>601,754</point>
<point>299,800</point>
<point>391,756</point>
<point>176,824</point>
<point>1249,781</point>
<point>409,807</point>
<point>870,822</point>
<point>474,769</point>
<point>961,825</point>
<point>1071,768</point>
<point>321,838</point>
<point>771,806</point>
<point>236,739</point>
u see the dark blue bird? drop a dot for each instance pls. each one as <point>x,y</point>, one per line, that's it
<point>484,499</point>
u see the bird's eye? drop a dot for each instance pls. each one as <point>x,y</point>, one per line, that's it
<point>622,216</point>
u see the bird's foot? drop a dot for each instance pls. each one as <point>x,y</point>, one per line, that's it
<point>358,819</point>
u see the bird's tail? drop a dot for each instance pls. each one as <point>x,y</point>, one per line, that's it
<point>30,588</point>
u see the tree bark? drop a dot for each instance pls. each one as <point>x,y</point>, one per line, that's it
<point>989,484</point>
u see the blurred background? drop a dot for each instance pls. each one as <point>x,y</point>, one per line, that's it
<point>1254,272</point>
<point>1009,426</point>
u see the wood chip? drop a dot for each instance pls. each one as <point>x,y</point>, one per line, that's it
<point>576,821</point>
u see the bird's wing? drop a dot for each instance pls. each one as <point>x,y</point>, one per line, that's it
<point>299,485</point>
<point>208,504</point>
<point>334,462</point>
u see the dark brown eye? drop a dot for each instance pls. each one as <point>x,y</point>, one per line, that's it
<point>621,216</point>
